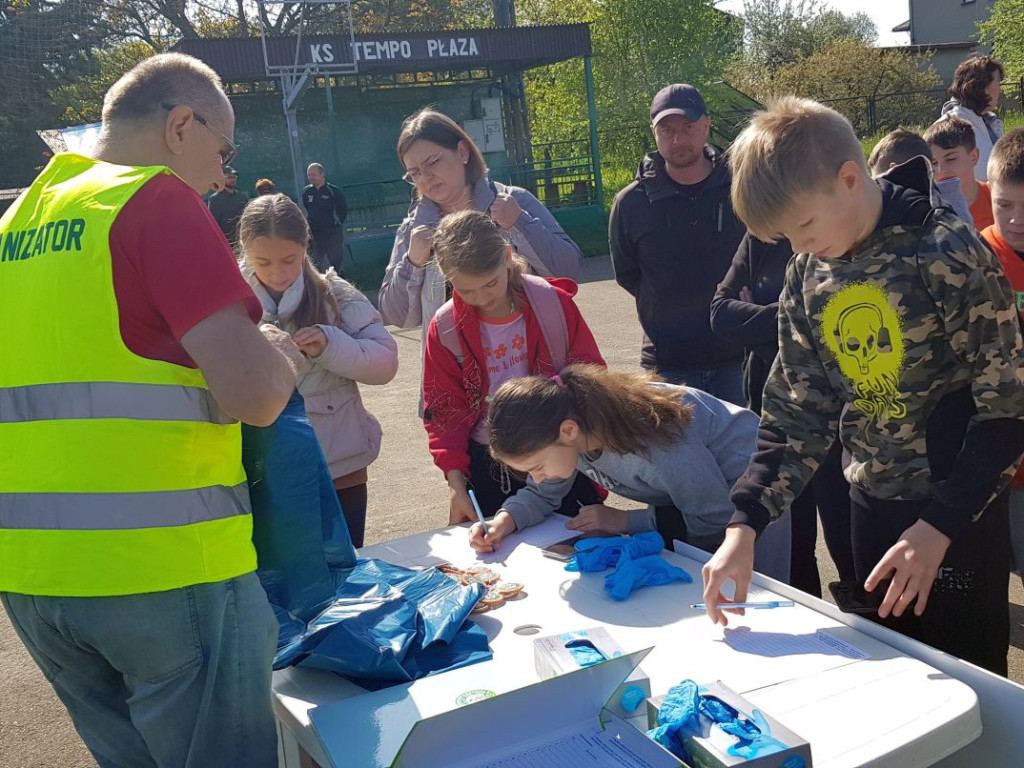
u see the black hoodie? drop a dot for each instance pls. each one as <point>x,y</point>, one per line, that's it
<point>671,245</point>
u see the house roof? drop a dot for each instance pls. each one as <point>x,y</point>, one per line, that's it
<point>904,27</point>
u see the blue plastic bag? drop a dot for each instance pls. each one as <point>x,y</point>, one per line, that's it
<point>375,623</point>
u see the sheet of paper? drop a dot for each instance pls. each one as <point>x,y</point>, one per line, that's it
<point>777,644</point>
<point>593,749</point>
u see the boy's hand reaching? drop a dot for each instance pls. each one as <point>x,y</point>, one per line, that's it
<point>500,526</point>
<point>598,517</point>
<point>912,563</point>
<point>733,560</point>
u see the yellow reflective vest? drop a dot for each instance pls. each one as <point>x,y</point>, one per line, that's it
<point>118,474</point>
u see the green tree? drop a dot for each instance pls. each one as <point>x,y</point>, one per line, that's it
<point>877,88</point>
<point>639,47</point>
<point>1004,30</point>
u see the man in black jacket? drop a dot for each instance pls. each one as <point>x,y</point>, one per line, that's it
<point>672,236</point>
<point>326,210</point>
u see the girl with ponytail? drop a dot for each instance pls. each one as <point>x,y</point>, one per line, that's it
<point>340,333</point>
<point>679,450</point>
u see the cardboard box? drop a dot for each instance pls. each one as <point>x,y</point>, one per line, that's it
<point>559,723</point>
<point>552,657</point>
<point>710,750</point>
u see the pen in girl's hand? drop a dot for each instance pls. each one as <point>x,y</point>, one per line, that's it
<point>479,514</point>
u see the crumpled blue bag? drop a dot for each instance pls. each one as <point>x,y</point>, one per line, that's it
<point>598,554</point>
<point>375,623</point>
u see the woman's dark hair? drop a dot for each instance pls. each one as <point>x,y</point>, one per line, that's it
<point>972,78</point>
<point>430,125</point>
<point>622,410</point>
<point>265,187</point>
<point>276,216</point>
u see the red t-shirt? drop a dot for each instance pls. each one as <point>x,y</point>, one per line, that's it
<point>172,268</point>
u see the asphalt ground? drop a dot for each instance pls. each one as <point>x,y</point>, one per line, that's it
<point>407,496</point>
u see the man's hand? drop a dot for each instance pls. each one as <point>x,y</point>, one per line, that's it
<point>912,563</point>
<point>312,340</point>
<point>746,295</point>
<point>734,560</point>
<point>421,242</point>
<point>505,210</point>
<point>284,344</point>
<point>598,517</point>
<point>496,530</point>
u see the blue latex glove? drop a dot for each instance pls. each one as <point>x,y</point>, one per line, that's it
<point>649,571</point>
<point>679,710</point>
<point>584,653</point>
<point>598,554</point>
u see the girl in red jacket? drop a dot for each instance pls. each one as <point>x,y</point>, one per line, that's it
<point>490,332</point>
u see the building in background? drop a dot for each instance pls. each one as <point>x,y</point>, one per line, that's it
<point>948,29</point>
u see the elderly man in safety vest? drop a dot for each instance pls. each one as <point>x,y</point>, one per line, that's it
<point>126,560</point>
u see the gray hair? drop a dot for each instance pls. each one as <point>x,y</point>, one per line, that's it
<point>167,78</point>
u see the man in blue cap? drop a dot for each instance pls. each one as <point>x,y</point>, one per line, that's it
<point>672,236</point>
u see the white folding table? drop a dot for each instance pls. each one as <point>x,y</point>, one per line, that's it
<point>873,698</point>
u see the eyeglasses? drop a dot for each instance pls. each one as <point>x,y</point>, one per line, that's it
<point>413,176</point>
<point>225,157</point>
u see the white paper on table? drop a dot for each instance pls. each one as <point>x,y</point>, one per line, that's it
<point>585,748</point>
<point>776,644</point>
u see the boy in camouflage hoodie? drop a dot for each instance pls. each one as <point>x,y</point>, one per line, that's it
<point>897,328</point>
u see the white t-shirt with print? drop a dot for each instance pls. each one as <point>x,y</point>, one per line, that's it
<point>505,355</point>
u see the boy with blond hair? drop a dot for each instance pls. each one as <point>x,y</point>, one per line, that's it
<point>896,329</point>
<point>954,153</point>
<point>1006,238</point>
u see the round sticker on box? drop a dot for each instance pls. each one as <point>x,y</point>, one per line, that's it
<point>472,697</point>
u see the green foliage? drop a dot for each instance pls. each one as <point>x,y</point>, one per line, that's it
<point>1004,30</point>
<point>639,47</point>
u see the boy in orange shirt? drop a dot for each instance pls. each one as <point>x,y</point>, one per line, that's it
<point>1006,237</point>
<point>954,155</point>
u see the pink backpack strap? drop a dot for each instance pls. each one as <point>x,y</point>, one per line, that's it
<point>447,333</point>
<point>547,308</point>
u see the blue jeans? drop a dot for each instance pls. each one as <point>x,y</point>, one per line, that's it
<point>724,383</point>
<point>176,679</point>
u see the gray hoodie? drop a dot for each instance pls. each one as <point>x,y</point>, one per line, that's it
<point>695,473</point>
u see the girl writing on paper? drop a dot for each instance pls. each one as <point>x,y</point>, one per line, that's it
<point>499,324</point>
<point>337,329</point>
<point>677,449</point>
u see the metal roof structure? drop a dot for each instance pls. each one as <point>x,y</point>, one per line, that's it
<point>502,50</point>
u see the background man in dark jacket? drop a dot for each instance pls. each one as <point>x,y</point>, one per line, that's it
<point>672,236</point>
<point>227,205</point>
<point>326,210</point>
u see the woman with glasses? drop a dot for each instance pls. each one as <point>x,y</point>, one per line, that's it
<point>448,174</point>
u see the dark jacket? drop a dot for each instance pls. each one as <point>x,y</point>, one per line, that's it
<point>326,207</point>
<point>227,208</point>
<point>761,267</point>
<point>671,246</point>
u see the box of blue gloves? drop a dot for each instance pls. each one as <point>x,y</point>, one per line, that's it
<point>712,726</point>
<point>569,651</point>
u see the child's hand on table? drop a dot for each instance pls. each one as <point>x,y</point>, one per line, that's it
<point>498,527</point>
<point>912,563</point>
<point>598,517</point>
<point>733,560</point>
<point>460,507</point>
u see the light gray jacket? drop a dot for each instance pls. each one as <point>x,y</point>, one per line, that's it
<point>359,349</point>
<point>411,295</point>
<point>694,474</point>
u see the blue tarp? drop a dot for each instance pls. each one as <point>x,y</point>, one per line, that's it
<point>375,623</point>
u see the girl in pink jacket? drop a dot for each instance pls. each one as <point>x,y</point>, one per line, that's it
<point>339,331</point>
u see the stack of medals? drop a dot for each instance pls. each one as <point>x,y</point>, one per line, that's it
<point>497,591</point>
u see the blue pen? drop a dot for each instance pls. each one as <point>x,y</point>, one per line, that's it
<point>754,606</point>
<point>479,514</point>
